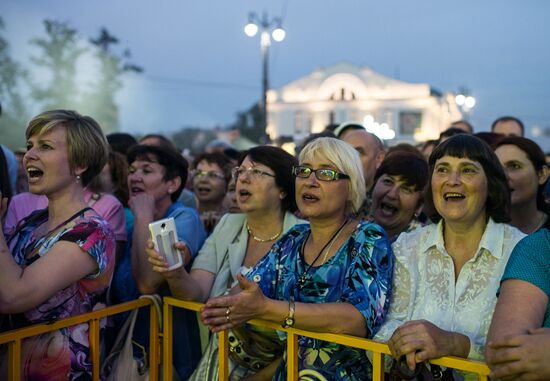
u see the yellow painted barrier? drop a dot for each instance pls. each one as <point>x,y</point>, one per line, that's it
<point>378,349</point>
<point>13,338</point>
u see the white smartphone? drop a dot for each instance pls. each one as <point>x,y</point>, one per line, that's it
<point>164,236</point>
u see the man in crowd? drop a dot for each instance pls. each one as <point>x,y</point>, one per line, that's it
<point>508,126</point>
<point>371,152</point>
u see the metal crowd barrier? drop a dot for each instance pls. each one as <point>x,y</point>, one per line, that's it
<point>378,349</point>
<point>14,338</point>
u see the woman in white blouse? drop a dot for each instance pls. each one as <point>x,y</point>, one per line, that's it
<point>446,275</point>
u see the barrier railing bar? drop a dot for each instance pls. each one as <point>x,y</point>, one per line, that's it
<point>38,329</point>
<point>14,360</point>
<point>378,349</point>
<point>93,337</point>
<point>14,337</point>
<point>377,366</point>
<point>167,340</point>
<point>223,356</point>
<point>292,355</point>
<point>154,345</point>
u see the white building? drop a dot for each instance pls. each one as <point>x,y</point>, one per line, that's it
<point>344,92</point>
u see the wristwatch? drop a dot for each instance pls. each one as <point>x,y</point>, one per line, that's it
<point>289,319</point>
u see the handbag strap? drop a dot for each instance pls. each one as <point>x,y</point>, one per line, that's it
<point>126,333</point>
<point>157,302</point>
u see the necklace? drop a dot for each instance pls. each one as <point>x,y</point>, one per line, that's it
<point>257,239</point>
<point>332,242</point>
<point>304,276</point>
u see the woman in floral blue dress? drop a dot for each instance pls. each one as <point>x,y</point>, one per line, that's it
<point>331,276</point>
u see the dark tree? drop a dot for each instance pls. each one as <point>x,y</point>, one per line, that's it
<point>14,115</point>
<point>100,101</point>
<point>59,52</point>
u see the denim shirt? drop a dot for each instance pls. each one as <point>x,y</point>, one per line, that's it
<point>187,350</point>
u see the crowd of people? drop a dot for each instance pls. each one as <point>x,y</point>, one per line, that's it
<point>440,249</point>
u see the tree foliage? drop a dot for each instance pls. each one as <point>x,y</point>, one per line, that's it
<point>100,100</point>
<point>250,124</point>
<point>194,139</point>
<point>57,80</point>
<point>14,113</point>
<point>58,56</point>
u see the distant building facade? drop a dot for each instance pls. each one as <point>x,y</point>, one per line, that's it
<point>344,92</point>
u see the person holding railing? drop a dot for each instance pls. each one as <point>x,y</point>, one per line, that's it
<point>519,338</point>
<point>58,261</point>
<point>446,274</point>
<point>266,195</point>
<point>333,275</point>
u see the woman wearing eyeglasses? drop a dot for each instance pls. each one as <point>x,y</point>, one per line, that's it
<point>333,275</point>
<point>265,194</point>
<point>210,179</point>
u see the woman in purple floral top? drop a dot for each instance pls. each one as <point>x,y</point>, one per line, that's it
<point>58,261</point>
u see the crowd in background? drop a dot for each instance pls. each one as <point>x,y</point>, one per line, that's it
<point>438,249</point>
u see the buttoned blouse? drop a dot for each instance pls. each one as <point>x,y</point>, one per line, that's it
<point>424,285</point>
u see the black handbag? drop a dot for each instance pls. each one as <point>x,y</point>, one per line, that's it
<point>400,372</point>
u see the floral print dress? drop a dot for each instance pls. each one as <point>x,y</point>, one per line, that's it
<point>64,354</point>
<point>360,273</point>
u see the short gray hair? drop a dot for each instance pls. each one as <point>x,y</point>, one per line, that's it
<point>346,159</point>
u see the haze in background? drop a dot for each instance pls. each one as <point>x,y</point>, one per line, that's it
<point>200,68</point>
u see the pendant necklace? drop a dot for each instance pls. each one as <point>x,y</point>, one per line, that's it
<point>304,276</point>
<point>261,240</point>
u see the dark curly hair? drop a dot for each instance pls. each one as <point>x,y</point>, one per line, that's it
<point>473,148</point>
<point>173,162</point>
<point>281,162</point>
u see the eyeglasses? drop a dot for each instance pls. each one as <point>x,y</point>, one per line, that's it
<point>252,172</point>
<point>210,174</point>
<point>322,174</point>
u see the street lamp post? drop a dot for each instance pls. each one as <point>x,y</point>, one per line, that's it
<point>465,102</point>
<point>269,29</point>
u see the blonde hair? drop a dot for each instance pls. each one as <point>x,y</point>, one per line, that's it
<point>87,146</point>
<point>346,159</point>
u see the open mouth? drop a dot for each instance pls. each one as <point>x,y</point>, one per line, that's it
<point>34,173</point>
<point>136,190</point>
<point>203,190</point>
<point>243,195</point>
<point>309,197</point>
<point>453,196</point>
<point>388,209</point>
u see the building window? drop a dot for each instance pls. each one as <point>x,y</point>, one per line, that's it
<point>298,123</point>
<point>343,95</point>
<point>409,122</point>
<point>309,122</point>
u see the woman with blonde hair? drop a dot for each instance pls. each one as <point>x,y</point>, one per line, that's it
<point>333,275</point>
<point>265,194</point>
<point>58,261</point>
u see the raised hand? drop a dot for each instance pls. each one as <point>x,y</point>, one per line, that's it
<point>228,311</point>
<point>159,264</point>
<point>142,205</point>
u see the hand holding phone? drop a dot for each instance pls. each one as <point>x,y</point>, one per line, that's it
<point>164,236</point>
